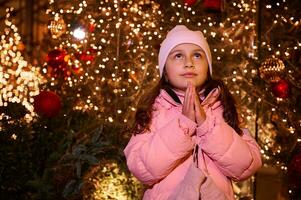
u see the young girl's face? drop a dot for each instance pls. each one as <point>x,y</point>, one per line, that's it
<point>186,63</point>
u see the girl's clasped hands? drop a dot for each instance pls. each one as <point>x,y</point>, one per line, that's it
<point>193,108</point>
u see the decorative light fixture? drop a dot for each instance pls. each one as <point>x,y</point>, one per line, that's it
<point>79,33</point>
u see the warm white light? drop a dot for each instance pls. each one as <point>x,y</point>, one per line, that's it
<point>79,33</point>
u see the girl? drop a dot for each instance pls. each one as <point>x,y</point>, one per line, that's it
<point>188,108</point>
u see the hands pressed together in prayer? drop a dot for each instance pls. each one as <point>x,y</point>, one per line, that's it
<point>193,108</point>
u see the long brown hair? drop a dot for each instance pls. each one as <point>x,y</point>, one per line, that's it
<point>145,105</point>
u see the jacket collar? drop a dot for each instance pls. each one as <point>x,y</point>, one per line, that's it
<point>163,94</point>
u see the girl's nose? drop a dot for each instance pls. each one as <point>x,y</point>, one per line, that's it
<point>189,62</point>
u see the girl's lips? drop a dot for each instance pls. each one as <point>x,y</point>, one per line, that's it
<point>189,74</point>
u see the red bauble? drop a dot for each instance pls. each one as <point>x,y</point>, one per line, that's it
<point>88,55</point>
<point>56,58</point>
<point>47,104</point>
<point>190,2</point>
<point>91,28</point>
<point>213,4</point>
<point>281,89</point>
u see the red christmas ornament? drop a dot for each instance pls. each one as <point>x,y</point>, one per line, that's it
<point>213,4</point>
<point>88,55</point>
<point>281,89</point>
<point>56,58</point>
<point>190,2</point>
<point>91,28</point>
<point>47,104</point>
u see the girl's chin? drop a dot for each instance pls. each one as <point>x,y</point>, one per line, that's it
<point>194,82</point>
<point>183,88</point>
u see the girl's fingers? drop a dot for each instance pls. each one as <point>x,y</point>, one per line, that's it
<point>191,98</point>
<point>185,97</point>
<point>197,108</point>
<point>189,102</point>
<point>211,98</point>
<point>188,96</point>
<point>186,110</point>
<point>200,114</point>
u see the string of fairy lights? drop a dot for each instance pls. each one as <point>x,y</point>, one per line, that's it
<point>110,182</point>
<point>110,45</point>
<point>239,35</point>
<point>19,81</point>
<point>224,38</point>
<point>280,50</point>
<point>119,35</point>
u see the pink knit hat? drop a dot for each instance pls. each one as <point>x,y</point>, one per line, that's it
<point>178,35</point>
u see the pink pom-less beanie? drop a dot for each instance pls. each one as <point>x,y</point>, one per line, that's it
<point>180,34</point>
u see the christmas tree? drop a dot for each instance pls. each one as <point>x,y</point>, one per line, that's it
<point>103,55</point>
<point>104,51</point>
<point>255,47</point>
<point>230,31</point>
<point>279,127</point>
<point>19,81</point>
<point>100,56</point>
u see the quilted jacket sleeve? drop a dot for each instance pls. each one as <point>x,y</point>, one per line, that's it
<point>237,157</point>
<point>153,155</point>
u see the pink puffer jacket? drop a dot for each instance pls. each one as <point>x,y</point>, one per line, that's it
<point>160,158</point>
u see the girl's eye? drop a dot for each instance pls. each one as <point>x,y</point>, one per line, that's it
<point>197,55</point>
<point>178,56</point>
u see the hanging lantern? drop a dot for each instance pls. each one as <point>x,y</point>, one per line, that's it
<point>271,70</point>
<point>57,28</point>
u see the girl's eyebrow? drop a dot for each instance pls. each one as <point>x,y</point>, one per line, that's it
<point>176,50</point>
<point>198,49</point>
<point>179,50</point>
